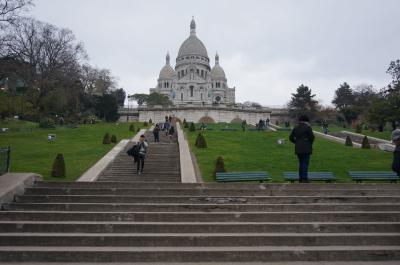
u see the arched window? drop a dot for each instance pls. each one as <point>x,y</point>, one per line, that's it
<point>198,72</point>
<point>201,96</point>
<point>212,85</point>
<point>191,91</point>
<point>181,96</point>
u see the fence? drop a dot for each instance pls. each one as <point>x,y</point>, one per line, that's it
<point>5,160</point>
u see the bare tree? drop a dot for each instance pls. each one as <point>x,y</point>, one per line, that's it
<point>10,10</point>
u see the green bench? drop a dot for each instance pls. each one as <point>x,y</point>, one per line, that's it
<point>229,129</point>
<point>359,176</point>
<point>242,176</point>
<point>318,176</point>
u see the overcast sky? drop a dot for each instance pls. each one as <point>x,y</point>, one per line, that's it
<point>267,48</point>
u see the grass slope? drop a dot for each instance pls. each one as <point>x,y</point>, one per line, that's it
<point>259,151</point>
<point>82,147</point>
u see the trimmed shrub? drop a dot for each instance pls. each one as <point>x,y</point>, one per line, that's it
<point>192,128</point>
<point>47,123</point>
<point>349,142</point>
<point>358,128</point>
<point>145,124</point>
<point>185,124</point>
<point>132,127</point>
<point>58,170</point>
<point>113,138</point>
<point>106,139</point>
<point>365,143</point>
<point>219,166</point>
<point>150,121</point>
<point>201,141</point>
<point>138,129</point>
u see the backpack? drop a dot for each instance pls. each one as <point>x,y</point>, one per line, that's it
<point>134,151</point>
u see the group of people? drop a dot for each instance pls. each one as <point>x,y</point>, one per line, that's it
<point>262,124</point>
<point>167,128</point>
<point>303,138</point>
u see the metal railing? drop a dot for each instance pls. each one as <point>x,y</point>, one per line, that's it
<point>5,160</point>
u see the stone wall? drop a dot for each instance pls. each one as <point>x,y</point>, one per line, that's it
<point>195,114</point>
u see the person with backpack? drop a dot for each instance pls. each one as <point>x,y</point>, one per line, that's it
<point>171,133</point>
<point>303,138</point>
<point>156,133</point>
<point>142,147</point>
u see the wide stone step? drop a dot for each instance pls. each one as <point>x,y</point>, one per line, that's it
<point>152,207</point>
<point>202,199</point>
<point>232,185</point>
<point>207,192</point>
<point>199,254</point>
<point>199,240</point>
<point>228,263</point>
<point>354,216</point>
<point>196,227</point>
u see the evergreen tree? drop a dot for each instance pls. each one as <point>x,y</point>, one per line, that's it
<point>58,169</point>
<point>192,128</point>
<point>106,139</point>
<point>303,103</point>
<point>349,142</point>
<point>113,139</point>
<point>201,141</point>
<point>219,166</point>
<point>132,127</point>
<point>365,143</point>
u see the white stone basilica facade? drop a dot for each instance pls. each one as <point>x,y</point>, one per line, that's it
<point>194,82</point>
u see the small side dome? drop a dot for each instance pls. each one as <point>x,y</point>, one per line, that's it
<point>167,72</point>
<point>217,72</point>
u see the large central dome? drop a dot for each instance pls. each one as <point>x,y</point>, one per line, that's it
<point>192,45</point>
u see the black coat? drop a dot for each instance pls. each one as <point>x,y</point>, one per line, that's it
<point>303,138</point>
<point>396,160</point>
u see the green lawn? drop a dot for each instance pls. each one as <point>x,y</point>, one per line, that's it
<point>82,147</point>
<point>259,151</point>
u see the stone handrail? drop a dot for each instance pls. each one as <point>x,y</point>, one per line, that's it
<point>187,170</point>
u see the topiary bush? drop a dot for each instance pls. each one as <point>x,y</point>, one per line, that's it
<point>58,170</point>
<point>192,128</point>
<point>132,127</point>
<point>138,129</point>
<point>184,123</point>
<point>47,123</point>
<point>219,166</point>
<point>150,121</point>
<point>348,142</point>
<point>113,139</point>
<point>145,124</point>
<point>365,143</point>
<point>201,141</point>
<point>106,139</point>
<point>358,128</point>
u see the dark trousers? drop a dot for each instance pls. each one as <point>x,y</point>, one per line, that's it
<point>140,162</point>
<point>156,137</point>
<point>304,160</point>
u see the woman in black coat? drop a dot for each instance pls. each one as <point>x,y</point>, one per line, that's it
<point>303,138</point>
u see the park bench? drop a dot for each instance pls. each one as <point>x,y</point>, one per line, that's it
<point>242,176</point>
<point>359,176</point>
<point>317,176</point>
<point>229,129</point>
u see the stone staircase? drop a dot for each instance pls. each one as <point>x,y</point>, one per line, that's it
<point>176,223</point>
<point>161,164</point>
